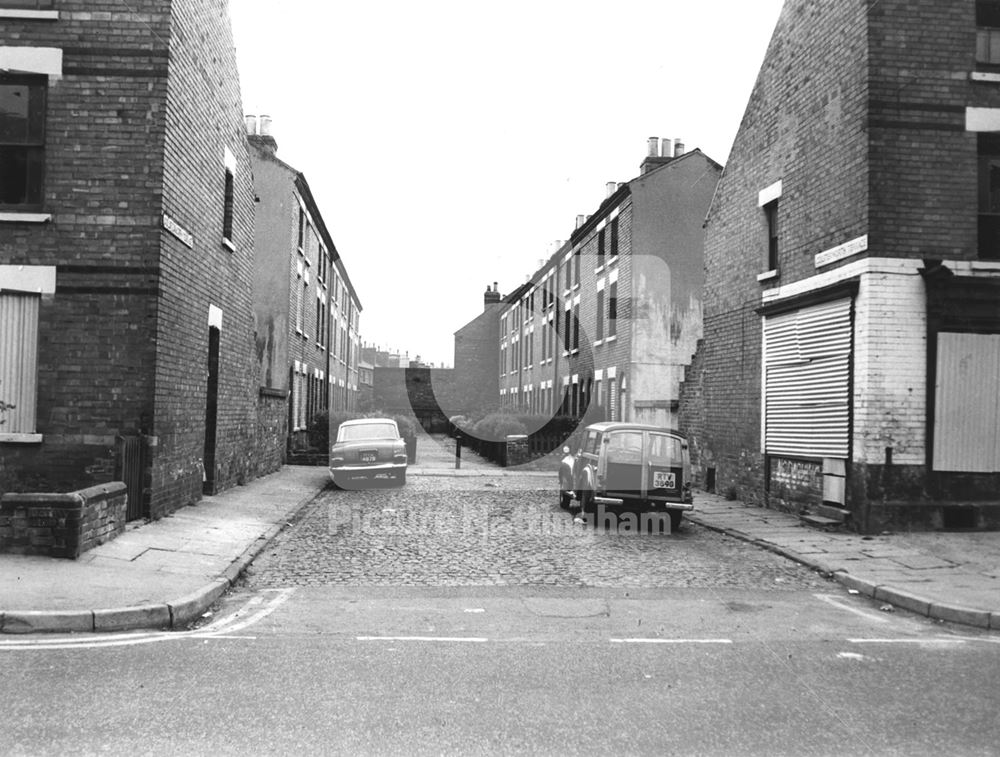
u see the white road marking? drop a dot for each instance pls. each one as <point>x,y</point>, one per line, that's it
<point>474,609</point>
<point>224,628</point>
<point>943,641</point>
<point>671,641</point>
<point>840,605</point>
<point>850,656</point>
<point>474,639</point>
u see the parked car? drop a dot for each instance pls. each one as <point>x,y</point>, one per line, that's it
<point>367,450</point>
<point>628,465</point>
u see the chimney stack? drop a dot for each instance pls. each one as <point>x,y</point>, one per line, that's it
<point>259,133</point>
<point>658,155</point>
<point>490,297</point>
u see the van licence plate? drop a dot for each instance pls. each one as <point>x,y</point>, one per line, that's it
<point>664,479</point>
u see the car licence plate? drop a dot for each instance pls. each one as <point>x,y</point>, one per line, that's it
<point>369,457</point>
<point>664,479</point>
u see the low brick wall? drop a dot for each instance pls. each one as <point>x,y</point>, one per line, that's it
<point>62,525</point>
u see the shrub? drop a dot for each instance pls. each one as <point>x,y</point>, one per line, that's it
<point>407,426</point>
<point>495,427</point>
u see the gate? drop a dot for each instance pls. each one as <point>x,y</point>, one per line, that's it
<point>131,469</point>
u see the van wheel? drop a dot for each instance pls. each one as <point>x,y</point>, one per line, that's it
<point>565,499</point>
<point>675,520</point>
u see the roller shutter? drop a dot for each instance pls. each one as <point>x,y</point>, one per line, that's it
<point>807,357</point>
<point>18,360</point>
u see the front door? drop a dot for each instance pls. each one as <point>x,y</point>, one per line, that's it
<point>211,411</point>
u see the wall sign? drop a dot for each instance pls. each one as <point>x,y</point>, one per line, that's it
<point>841,251</point>
<point>178,231</point>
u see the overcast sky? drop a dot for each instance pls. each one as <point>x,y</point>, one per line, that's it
<point>450,144</point>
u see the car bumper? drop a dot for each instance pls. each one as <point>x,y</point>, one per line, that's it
<point>653,504</point>
<point>366,470</point>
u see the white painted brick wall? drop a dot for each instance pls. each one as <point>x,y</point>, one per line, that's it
<point>890,365</point>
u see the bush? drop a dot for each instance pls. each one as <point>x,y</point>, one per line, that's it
<point>495,427</point>
<point>407,426</point>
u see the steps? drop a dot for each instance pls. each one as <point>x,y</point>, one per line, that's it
<point>826,517</point>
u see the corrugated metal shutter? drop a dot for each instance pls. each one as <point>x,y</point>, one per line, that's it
<point>967,403</point>
<point>807,363</point>
<point>18,360</point>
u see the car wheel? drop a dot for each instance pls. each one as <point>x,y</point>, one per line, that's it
<point>401,479</point>
<point>333,483</point>
<point>675,520</point>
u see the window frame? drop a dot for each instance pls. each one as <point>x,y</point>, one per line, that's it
<point>32,145</point>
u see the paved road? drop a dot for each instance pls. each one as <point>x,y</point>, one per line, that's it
<point>461,616</point>
<point>501,531</point>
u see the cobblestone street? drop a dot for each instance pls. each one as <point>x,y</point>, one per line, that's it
<point>501,530</point>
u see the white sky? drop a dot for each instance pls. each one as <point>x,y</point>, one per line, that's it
<point>449,143</point>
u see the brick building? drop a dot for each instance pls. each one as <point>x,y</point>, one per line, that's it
<point>126,252</point>
<point>606,328</point>
<point>852,308</point>
<point>307,311</point>
<point>476,364</point>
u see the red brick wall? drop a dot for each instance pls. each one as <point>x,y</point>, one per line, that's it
<point>102,188</point>
<point>804,125</point>
<point>204,117</point>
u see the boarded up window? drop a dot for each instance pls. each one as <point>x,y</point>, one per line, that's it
<point>18,361</point>
<point>807,363</point>
<point>967,403</point>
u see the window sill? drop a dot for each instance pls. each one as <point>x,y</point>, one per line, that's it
<point>20,438</point>
<point>19,217</point>
<point>611,261</point>
<point>599,342</point>
<point>599,268</point>
<point>34,15</point>
<point>987,77</point>
<point>768,275</point>
<point>228,244</point>
<point>612,338</point>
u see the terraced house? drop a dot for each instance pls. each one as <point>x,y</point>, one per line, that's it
<point>852,307</point>
<point>307,311</point>
<point>126,253</point>
<point>606,328</point>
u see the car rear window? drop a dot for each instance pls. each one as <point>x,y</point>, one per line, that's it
<point>625,447</point>
<point>664,450</point>
<point>365,431</point>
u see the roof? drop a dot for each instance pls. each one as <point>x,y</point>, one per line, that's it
<point>606,426</point>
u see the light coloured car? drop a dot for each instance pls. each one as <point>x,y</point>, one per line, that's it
<point>628,465</point>
<point>367,450</point>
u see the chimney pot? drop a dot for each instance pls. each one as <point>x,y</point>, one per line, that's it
<point>611,187</point>
<point>666,148</point>
<point>265,126</point>
<point>251,122</point>
<point>678,148</point>
<point>654,146</point>
<point>580,220</point>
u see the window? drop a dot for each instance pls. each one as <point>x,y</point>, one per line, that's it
<point>771,217</point>
<point>22,141</point>
<point>302,229</point>
<point>576,326</point>
<point>567,329</point>
<point>576,268</point>
<point>600,249</point>
<point>227,212</point>
<point>18,361</point>
<point>613,309</point>
<point>600,315</point>
<point>614,237</point>
<point>569,274</point>
<point>989,196</point>
<point>988,33</point>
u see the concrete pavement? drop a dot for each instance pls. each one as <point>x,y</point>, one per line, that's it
<point>165,574</point>
<point>953,576</point>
